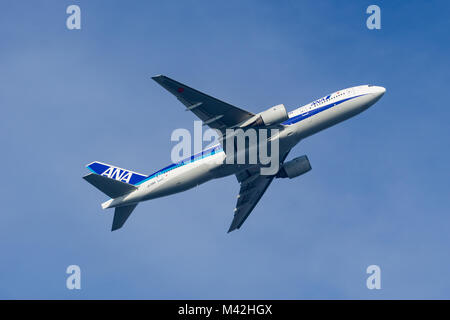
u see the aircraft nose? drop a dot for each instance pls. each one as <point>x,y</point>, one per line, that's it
<point>378,91</point>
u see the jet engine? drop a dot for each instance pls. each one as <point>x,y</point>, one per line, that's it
<point>274,115</point>
<point>294,168</point>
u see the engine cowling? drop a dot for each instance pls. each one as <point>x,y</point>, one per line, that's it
<point>294,168</point>
<point>272,116</point>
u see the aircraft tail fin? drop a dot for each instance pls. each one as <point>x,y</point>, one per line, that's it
<point>121,215</point>
<point>116,173</point>
<point>111,187</point>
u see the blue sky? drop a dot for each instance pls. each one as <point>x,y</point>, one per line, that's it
<point>378,192</point>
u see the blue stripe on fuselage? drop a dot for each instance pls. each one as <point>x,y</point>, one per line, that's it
<point>312,112</point>
<point>195,157</point>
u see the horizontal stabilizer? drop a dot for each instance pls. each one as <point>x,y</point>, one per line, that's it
<point>121,215</point>
<point>110,187</point>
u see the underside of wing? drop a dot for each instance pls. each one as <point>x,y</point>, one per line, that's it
<point>213,112</point>
<point>252,189</point>
<point>253,186</point>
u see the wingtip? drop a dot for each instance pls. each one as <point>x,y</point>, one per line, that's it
<point>158,76</point>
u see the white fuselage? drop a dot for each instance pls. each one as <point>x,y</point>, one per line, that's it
<point>210,164</point>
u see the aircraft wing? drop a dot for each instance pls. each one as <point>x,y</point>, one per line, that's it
<point>253,186</point>
<point>249,194</point>
<point>213,112</point>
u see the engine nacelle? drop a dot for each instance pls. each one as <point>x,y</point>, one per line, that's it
<point>274,115</point>
<point>294,168</point>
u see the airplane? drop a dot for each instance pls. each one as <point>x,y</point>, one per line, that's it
<point>127,188</point>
